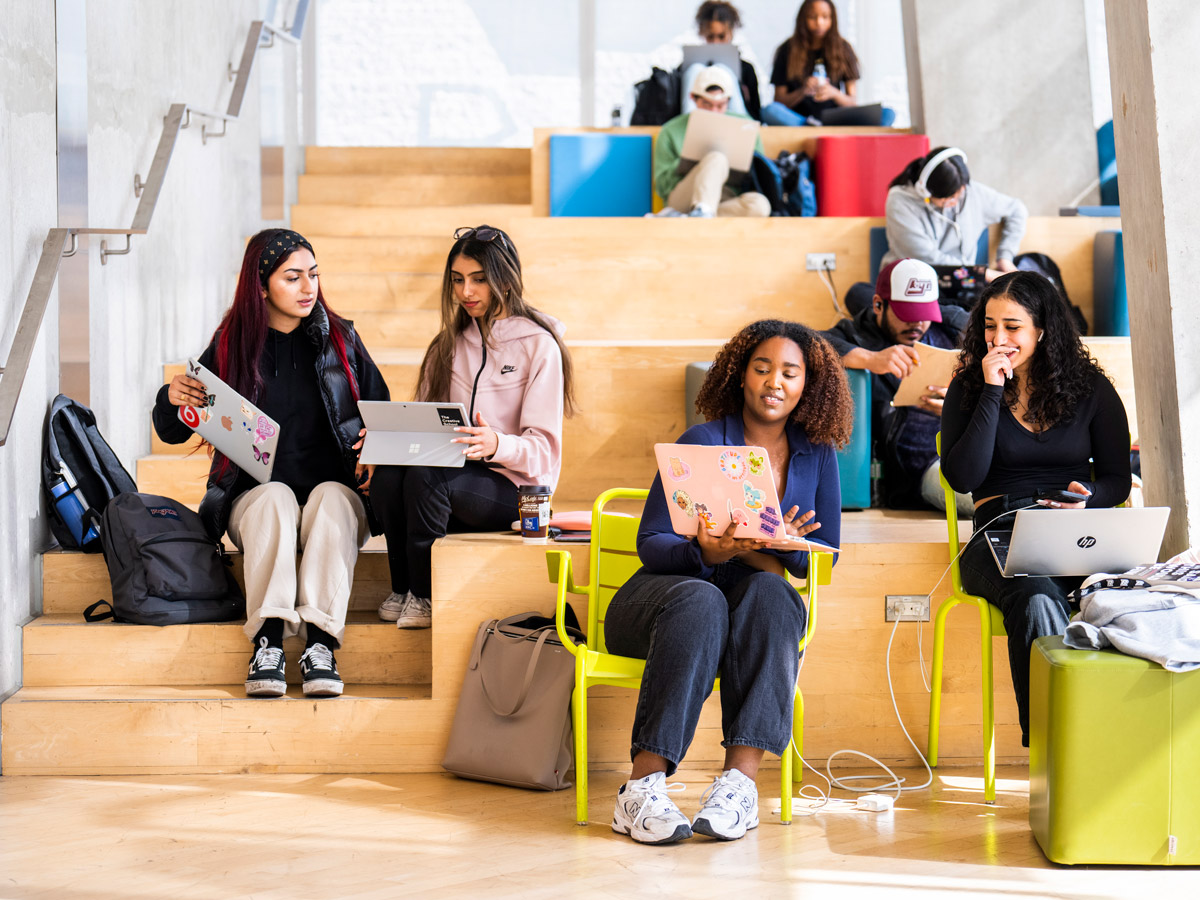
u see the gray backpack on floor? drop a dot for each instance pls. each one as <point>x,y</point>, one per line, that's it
<point>164,568</point>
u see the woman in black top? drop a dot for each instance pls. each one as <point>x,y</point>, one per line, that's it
<point>1028,410</point>
<point>814,70</point>
<point>283,349</point>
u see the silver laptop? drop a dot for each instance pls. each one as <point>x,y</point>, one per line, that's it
<point>726,55</point>
<point>730,135</point>
<point>1078,541</point>
<point>412,434</point>
<point>232,424</point>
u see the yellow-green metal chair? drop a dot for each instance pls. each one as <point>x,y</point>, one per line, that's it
<point>991,624</point>
<point>612,559</point>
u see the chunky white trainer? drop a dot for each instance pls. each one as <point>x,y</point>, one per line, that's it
<point>415,613</point>
<point>647,814</point>
<point>389,609</point>
<point>729,808</point>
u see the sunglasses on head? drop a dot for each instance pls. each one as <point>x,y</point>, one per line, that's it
<point>484,233</point>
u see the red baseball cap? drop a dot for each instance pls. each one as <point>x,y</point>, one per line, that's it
<point>911,287</point>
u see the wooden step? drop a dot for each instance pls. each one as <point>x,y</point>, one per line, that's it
<point>65,650</point>
<point>415,189</point>
<point>72,581</point>
<point>313,220</point>
<point>350,294</point>
<point>417,160</point>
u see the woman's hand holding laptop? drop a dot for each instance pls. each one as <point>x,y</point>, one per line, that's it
<point>186,391</point>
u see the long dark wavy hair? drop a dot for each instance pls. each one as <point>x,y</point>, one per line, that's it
<point>1061,372</point>
<point>502,269</point>
<point>944,181</point>
<point>803,50</point>
<point>826,408</point>
<point>242,333</point>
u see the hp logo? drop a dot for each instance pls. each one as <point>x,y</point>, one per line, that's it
<point>1086,541</point>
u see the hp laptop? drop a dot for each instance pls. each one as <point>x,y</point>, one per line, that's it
<point>1078,541</point>
<point>412,434</point>
<point>714,485</point>
<point>232,424</point>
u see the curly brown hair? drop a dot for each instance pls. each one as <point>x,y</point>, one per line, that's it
<point>826,407</point>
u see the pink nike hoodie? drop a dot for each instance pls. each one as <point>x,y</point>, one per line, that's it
<point>516,382</point>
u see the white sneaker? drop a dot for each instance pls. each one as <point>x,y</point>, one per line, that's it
<point>729,808</point>
<point>647,814</point>
<point>666,212</point>
<point>414,613</point>
<point>389,609</point>
<point>700,211</point>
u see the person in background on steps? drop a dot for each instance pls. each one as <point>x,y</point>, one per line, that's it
<point>1028,410</point>
<point>282,347</point>
<point>703,191</point>
<point>714,603</point>
<point>717,21</point>
<point>813,70</point>
<point>506,363</point>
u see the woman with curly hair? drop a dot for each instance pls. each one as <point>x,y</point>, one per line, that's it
<point>1028,410</point>
<point>714,603</point>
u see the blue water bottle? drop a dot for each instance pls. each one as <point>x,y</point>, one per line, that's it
<point>70,509</point>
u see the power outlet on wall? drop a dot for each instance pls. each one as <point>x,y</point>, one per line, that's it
<point>816,262</point>
<point>906,608</point>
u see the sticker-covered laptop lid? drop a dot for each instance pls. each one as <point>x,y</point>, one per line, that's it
<point>232,424</point>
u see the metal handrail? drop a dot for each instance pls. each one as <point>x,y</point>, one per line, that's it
<point>12,375</point>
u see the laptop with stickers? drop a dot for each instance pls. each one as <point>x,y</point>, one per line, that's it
<point>412,433</point>
<point>232,424</point>
<point>1078,541</point>
<point>714,485</point>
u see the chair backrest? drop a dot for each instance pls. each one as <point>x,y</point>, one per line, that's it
<point>951,525</point>
<point>878,248</point>
<point>613,557</point>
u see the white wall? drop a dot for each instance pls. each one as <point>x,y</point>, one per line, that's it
<point>162,301</point>
<point>28,208</point>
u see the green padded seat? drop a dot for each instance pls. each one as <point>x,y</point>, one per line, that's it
<point>1114,758</point>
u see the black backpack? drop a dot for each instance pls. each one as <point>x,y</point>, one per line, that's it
<point>164,568</point>
<point>80,474</point>
<point>657,99</point>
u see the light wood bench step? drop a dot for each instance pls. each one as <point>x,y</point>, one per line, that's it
<point>414,189</point>
<point>417,160</point>
<point>66,650</point>
<point>314,220</point>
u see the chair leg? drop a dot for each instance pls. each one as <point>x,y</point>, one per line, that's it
<point>935,678</point>
<point>989,706</point>
<point>789,760</point>
<point>579,716</point>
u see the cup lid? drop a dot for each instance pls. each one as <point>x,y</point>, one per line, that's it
<point>534,489</point>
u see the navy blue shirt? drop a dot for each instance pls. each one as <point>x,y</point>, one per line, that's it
<point>812,483</point>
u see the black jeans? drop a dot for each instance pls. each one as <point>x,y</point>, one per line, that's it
<point>1032,606</point>
<point>419,504</point>
<point>744,624</point>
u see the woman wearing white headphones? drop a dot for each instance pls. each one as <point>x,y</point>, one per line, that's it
<point>935,213</point>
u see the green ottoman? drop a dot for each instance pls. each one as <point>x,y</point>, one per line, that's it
<point>1114,758</point>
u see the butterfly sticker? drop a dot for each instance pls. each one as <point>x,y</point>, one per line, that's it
<point>754,498</point>
<point>262,456</point>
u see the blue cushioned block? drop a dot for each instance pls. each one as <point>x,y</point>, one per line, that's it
<point>854,460</point>
<point>600,174</point>
<point>1109,297</point>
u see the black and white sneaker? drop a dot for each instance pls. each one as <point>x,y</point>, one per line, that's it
<point>266,677</point>
<point>321,678</point>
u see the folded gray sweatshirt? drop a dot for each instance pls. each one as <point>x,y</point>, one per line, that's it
<point>950,237</point>
<point>1161,624</point>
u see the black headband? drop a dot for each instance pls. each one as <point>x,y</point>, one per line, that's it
<point>282,243</point>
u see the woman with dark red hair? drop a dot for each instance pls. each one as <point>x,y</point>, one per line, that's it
<point>281,347</point>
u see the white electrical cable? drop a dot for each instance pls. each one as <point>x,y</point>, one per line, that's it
<point>827,280</point>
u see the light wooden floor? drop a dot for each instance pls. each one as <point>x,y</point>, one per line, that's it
<point>332,836</point>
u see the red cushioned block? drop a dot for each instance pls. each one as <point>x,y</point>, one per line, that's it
<point>853,170</point>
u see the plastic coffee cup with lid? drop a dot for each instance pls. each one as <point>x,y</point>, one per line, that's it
<point>534,508</point>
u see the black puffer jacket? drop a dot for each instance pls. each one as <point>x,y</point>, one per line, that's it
<point>339,405</point>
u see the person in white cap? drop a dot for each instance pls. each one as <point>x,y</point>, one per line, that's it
<point>884,340</point>
<point>703,191</point>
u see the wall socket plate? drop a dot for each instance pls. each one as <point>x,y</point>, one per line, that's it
<point>816,262</point>
<point>906,608</point>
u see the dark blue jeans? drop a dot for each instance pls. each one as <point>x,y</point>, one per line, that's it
<point>1033,607</point>
<point>419,504</point>
<point>745,625</point>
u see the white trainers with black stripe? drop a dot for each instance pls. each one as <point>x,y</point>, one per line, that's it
<point>321,678</point>
<point>729,808</point>
<point>266,676</point>
<point>647,814</point>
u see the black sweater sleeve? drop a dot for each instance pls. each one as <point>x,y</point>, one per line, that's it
<point>1109,433</point>
<point>165,415</point>
<point>969,437</point>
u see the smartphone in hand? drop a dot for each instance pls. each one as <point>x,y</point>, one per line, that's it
<point>1060,496</point>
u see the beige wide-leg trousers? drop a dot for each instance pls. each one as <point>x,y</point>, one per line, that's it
<point>705,184</point>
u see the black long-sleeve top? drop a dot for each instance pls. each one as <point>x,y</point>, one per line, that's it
<point>987,452</point>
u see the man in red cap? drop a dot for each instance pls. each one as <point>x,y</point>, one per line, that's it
<point>885,339</point>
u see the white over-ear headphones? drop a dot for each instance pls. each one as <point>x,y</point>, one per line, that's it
<point>920,186</point>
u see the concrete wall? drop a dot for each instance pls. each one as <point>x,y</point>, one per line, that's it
<point>162,301</point>
<point>1009,83</point>
<point>28,208</point>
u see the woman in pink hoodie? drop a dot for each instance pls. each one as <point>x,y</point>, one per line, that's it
<point>507,364</point>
